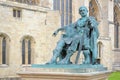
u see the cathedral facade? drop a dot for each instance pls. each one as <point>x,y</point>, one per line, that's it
<point>26,28</point>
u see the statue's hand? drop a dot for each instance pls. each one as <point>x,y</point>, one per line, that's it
<point>89,22</point>
<point>55,33</point>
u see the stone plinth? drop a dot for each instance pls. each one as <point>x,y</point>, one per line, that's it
<point>71,68</point>
<point>64,76</point>
<point>64,72</point>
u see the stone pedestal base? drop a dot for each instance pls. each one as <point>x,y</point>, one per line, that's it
<point>64,76</point>
<point>64,72</point>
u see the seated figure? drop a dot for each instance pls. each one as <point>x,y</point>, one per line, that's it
<point>82,36</point>
<point>64,43</point>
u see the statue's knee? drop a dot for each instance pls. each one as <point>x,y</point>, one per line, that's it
<point>56,52</point>
<point>59,48</point>
<point>87,56</point>
<point>70,52</point>
<point>86,46</point>
<point>60,45</point>
<point>86,52</point>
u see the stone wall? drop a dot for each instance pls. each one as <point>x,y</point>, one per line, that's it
<point>37,22</point>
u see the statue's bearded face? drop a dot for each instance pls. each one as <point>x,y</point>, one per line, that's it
<point>83,11</point>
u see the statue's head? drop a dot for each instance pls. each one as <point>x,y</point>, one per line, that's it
<point>83,11</point>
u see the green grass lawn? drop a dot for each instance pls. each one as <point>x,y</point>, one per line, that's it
<point>114,76</point>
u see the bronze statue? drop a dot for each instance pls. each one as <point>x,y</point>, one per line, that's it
<point>82,36</point>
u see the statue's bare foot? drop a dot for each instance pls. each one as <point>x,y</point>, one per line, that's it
<point>94,63</point>
<point>51,62</point>
<point>64,61</point>
<point>86,62</point>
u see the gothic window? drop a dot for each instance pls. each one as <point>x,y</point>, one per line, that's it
<point>100,48</point>
<point>4,51</point>
<point>93,9</point>
<point>58,5</point>
<point>65,8</point>
<point>4,40</point>
<point>27,52</point>
<point>54,4</point>
<point>23,51</point>
<point>62,13</point>
<point>70,11</point>
<point>116,23</point>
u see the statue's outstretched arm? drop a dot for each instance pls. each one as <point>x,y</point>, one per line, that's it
<point>59,29</point>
